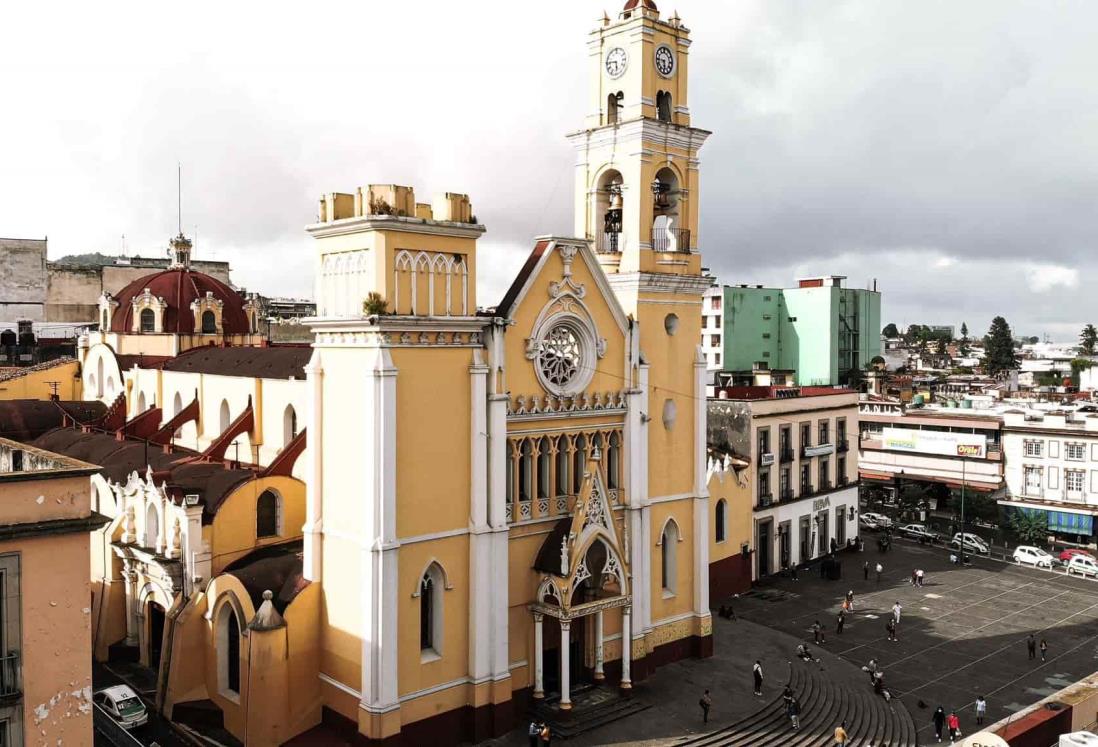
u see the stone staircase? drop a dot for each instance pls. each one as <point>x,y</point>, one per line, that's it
<point>592,707</point>
<point>825,703</point>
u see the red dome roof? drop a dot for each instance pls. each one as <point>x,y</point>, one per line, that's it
<point>179,287</point>
<point>631,4</point>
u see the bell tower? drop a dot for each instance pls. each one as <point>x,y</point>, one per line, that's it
<point>637,159</point>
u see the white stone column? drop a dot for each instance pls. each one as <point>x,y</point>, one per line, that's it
<point>565,664</point>
<point>314,469</point>
<point>626,647</point>
<point>599,676</point>
<point>539,675</point>
<point>128,575</point>
<point>480,548</point>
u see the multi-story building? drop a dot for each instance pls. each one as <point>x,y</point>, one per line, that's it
<point>45,622</point>
<point>1052,469</point>
<point>820,329</point>
<point>796,441</point>
<point>901,446</point>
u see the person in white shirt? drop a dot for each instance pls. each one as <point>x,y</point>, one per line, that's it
<point>981,710</point>
<point>896,612</point>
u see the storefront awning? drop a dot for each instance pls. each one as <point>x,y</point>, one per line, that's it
<point>1063,521</point>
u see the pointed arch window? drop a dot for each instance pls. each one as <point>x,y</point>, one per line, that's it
<point>431,586</point>
<point>720,520</point>
<point>613,462</point>
<point>223,417</point>
<point>562,466</point>
<point>579,463</point>
<point>228,652</point>
<point>669,558</point>
<point>526,469</point>
<point>289,425</point>
<point>663,106</point>
<point>543,467</point>
<point>152,526</point>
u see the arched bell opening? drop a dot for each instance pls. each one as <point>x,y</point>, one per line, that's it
<point>667,236</point>
<point>608,212</point>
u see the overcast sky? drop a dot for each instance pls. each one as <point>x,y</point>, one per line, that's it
<point>947,149</point>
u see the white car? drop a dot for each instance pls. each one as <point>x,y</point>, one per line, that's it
<point>867,522</point>
<point>918,532</point>
<point>1083,565</point>
<point>122,704</point>
<point>1034,556</point>
<point>880,520</point>
<point>973,543</point>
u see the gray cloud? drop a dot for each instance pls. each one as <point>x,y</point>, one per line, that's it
<point>946,149</point>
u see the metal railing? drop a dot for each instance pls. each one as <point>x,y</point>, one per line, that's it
<point>765,499</point>
<point>671,240</point>
<point>10,679</point>
<point>842,445</point>
<point>786,454</point>
<point>608,242</point>
<point>786,494</point>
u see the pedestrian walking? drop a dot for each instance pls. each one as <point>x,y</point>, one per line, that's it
<point>1031,646</point>
<point>840,623</point>
<point>890,626</point>
<point>1044,649</point>
<point>840,733</point>
<point>954,725</point>
<point>793,572</point>
<point>706,703</point>
<point>981,710</point>
<point>793,710</point>
<point>850,600</point>
<point>919,575</point>
<point>865,570</point>
<point>757,673</point>
<point>816,632</point>
<point>939,719</point>
<point>913,575</point>
<point>546,735</point>
<point>880,570</point>
<point>896,609</point>
<point>534,733</point>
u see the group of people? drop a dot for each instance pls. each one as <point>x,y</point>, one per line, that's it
<point>540,734</point>
<point>951,725</point>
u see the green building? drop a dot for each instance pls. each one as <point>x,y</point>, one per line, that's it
<point>819,329</point>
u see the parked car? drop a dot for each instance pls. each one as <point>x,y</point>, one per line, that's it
<point>919,532</point>
<point>973,543</point>
<point>882,521</point>
<point>122,704</point>
<point>1034,556</point>
<point>1071,552</point>
<point>1084,565</point>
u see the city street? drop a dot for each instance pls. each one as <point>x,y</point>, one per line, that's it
<point>157,731</point>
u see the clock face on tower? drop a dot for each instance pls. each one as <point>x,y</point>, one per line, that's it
<point>665,60</point>
<point>616,62</point>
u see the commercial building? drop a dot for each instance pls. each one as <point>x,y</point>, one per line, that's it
<point>820,329</point>
<point>900,446</point>
<point>795,440</point>
<point>1052,468</point>
<point>45,618</point>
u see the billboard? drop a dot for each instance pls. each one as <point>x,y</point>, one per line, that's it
<point>970,445</point>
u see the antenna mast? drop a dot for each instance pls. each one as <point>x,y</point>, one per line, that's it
<point>179,194</point>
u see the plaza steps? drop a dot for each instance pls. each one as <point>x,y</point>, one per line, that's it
<point>592,707</point>
<point>825,703</point>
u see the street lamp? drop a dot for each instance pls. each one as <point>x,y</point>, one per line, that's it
<point>962,511</point>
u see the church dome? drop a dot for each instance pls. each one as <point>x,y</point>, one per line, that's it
<point>647,4</point>
<point>178,287</point>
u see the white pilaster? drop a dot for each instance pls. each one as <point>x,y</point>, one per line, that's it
<point>565,665</point>
<point>497,506</point>
<point>599,676</point>
<point>626,648</point>
<point>539,674</point>
<point>482,633</point>
<point>637,511</point>
<point>132,637</point>
<point>701,490</point>
<point>314,470</point>
<point>380,547</point>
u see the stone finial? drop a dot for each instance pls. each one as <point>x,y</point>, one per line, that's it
<point>267,617</point>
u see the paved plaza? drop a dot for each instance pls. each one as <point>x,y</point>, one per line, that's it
<point>961,635</point>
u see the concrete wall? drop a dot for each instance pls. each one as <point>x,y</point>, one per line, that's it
<point>23,279</point>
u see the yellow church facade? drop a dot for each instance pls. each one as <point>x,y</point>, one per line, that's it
<point>505,501</point>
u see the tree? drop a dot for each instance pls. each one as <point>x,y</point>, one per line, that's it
<point>1089,338</point>
<point>964,332</point>
<point>852,377</point>
<point>941,348</point>
<point>374,304</point>
<point>1031,527</point>
<point>890,331</point>
<point>999,348</point>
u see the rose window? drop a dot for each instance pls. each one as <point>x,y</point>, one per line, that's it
<point>560,356</point>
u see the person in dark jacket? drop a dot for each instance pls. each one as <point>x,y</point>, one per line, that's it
<point>939,719</point>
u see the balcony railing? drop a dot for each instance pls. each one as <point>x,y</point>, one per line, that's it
<point>785,495</point>
<point>608,242</point>
<point>671,240</point>
<point>10,680</point>
<point>765,499</point>
<point>786,455</point>
<point>842,445</point>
